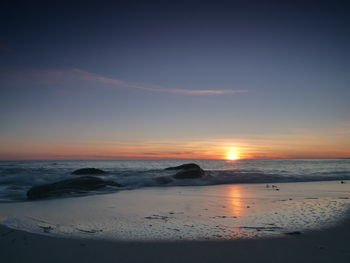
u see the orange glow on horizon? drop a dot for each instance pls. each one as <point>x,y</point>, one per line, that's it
<point>302,147</point>
<point>233,154</point>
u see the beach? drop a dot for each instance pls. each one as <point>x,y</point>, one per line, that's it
<point>300,222</point>
<point>331,245</point>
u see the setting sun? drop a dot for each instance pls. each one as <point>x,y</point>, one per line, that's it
<point>232,155</point>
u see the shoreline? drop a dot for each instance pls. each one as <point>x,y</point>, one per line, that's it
<point>328,245</point>
<point>208,213</point>
<point>172,224</point>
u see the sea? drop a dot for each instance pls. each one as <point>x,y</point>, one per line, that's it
<point>17,177</point>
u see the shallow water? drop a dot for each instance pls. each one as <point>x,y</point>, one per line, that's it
<point>218,212</point>
<point>18,176</point>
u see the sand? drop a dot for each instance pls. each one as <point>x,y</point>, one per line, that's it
<point>184,227</point>
<point>331,245</point>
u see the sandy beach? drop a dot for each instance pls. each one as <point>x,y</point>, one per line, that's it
<point>331,245</point>
<point>223,223</point>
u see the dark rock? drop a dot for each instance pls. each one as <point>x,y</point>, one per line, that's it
<point>76,185</point>
<point>293,233</point>
<point>189,174</point>
<point>185,166</point>
<point>187,171</point>
<point>88,171</point>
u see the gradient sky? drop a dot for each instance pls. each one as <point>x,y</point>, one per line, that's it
<point>174,79</point>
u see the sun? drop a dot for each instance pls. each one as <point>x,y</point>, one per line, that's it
<point>232,155</point>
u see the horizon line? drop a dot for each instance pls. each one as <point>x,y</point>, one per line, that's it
<point>165,159</point>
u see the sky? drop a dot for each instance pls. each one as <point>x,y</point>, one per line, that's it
<point>174,79</point>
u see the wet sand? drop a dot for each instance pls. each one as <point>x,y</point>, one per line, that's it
<point>331,245</point>
<point>228,223</point>
<point>221,212</point>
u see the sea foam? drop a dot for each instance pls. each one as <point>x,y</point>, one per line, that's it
<point>16,178</point>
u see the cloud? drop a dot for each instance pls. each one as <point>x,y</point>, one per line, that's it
<point>120,83</point>
<point>76,74</point>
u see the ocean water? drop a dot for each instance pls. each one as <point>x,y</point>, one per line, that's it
<point>231,200</point>
<point>17,177</point>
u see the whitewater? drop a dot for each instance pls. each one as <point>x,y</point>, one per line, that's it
<point>17,177</point>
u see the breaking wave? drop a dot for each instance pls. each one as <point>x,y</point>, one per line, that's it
<point>16,178</point>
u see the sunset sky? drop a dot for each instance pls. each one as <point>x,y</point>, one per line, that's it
<point>174,79</point>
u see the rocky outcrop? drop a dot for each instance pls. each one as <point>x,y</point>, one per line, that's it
<point>187,171</point>
<point>185,166</point>
<point>189,174</point>
<point>76,185</point>
<point>84,171</point>
<point>293,233</point>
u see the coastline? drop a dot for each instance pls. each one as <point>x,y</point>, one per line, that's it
<point>329,245</point>
<point>199,213</point>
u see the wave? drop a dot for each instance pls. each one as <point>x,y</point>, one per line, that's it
<point>15,182</point>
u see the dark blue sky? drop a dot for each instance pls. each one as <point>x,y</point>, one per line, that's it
<point>241,73</point>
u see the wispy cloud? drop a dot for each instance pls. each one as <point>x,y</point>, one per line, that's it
<point>120,83</point>
<point>76,74</point>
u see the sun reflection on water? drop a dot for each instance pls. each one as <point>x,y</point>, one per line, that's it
<point>235,194</point>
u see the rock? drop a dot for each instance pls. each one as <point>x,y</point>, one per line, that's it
<point>189,174</point>
<point>185,166</point>
<point>187,171</point>
<point>88,171</point>
<point>76,185</point>
<point>293,233</point>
